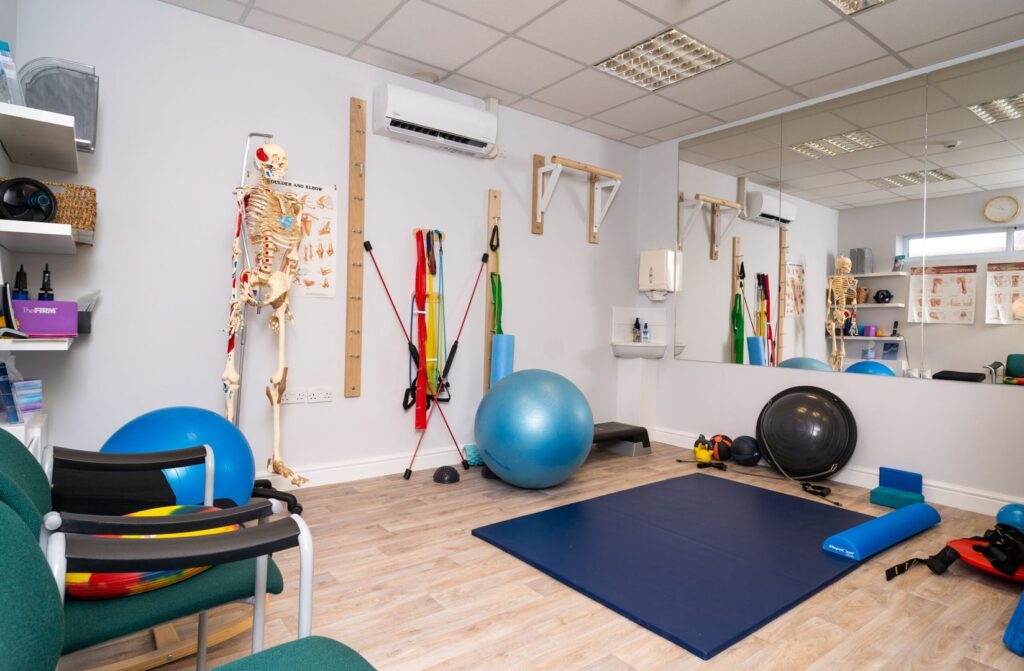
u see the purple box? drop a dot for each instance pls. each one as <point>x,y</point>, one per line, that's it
<point>47,319</point>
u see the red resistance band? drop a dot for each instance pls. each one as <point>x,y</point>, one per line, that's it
<point>421,333</point>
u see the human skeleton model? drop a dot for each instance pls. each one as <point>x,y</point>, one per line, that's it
<point>842,301</point>
<point>272,221</point>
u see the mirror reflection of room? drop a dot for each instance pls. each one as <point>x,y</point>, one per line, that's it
<point>879,232</point>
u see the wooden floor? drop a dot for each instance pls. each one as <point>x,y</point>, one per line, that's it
<point>400,579</point>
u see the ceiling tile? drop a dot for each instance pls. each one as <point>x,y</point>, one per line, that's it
<point>864,157</point>
<point>728,168</point>
<point>352,18</point>
<point>591,30</point>
<point>907,23</point>
<point>999,178</point>
<point>589,92</point>
<point>673,11</point>
<point>939,123</point>
<point>222,9</point>
<point>477,89</point>
<point>762,160</point>
<point>682,128</point>
<point>838,190</point>
<point>876,197</point>
<point>742,27</point>
<point>816,181</point>
<point>275,25</point>
<point>647,113</point>
<point>1012,163</point>
<point>537,108</point>
<point>975,154</point>
<point>602,128</point>
<point>723,86</point>
<point>998,82</point>
<point>887,168</point>
<point>690,156</point>
<point>772,101</point>
<point>518,66</point>
<point>806,169</point>
<point>972,137</point>
<point>865,73</point>
<point>732,146</point>
<point>797,128</point>
<point>501,14</point>
<point>953,185</point>
<point>905,105</point>
<point>640,141</point>
<point>393,62</point>
<point>1013,130</point>
<point>450,41</point>
<point>824,51</point>
<point>976,39</point>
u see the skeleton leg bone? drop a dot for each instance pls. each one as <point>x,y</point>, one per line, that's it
<point>275,390</point>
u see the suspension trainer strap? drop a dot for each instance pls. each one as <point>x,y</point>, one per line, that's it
<point>938,563</point>
<point>420,294</point>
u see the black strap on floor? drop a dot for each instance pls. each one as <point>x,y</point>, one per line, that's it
<point>938,563</point>
<point>1004,550</point>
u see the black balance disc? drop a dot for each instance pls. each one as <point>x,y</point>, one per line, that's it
<point>25,199</point>
<point>807,433</point>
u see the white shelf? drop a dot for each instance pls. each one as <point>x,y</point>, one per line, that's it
<point>894,274</point>
<point>38,138</point>
<point>875,338</point>
<point>861,306</point>
<point>35,344</point>
<point>34,237</point>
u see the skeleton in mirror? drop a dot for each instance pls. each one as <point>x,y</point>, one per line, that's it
<point>842,302</point>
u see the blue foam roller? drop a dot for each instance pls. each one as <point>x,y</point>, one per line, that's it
<point>864,540</point>
<point>1014,636</point>
<point>503,349</point>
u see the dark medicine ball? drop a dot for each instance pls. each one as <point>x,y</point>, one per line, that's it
<point>721,446</point>
<point>746,451</point>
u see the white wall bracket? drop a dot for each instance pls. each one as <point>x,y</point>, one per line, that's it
<point>732,209</point>
<point>603,184</point>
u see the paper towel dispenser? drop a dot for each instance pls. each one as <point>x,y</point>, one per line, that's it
<point>657,277</point>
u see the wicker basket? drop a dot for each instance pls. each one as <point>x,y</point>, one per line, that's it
<point>76,205</point>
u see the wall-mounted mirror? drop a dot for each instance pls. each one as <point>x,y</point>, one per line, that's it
<point>917,182</point>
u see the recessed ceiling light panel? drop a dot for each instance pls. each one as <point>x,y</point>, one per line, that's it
<point>1000,109</point>
<point>834,145</point>
<point>662,60</point>
<point>912,178</point>
<point>849,7</point>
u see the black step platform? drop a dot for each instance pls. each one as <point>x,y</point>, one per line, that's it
<point>620,438</point>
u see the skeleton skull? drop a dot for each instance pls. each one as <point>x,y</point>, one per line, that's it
<point>271,161</point>
<point>843,265</point>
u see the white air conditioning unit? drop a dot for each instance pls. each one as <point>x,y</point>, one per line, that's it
<point>425,119</point>
<point>766,208</point>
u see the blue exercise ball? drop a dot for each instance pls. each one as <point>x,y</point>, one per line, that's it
<point>1011,514</point>
<point>805,363</point>
<point>868,367</point>
<point>179,427</point>
<point>534,429</point>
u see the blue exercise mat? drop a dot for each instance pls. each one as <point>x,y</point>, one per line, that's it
<point>701,560</point>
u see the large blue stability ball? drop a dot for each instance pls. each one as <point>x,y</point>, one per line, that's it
<point>534,429</point>
<point>869,367</point>
<point>806,363</point>
<point>180,427</point>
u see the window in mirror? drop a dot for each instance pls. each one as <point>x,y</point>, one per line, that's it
<point>962,243</point>
<point>1018,240</point>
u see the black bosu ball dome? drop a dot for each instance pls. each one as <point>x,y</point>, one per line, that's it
<point>806,433</point>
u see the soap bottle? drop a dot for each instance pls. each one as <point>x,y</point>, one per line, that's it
<point>636,330</point>
<point>646,337</point>
<point>20,292</point>
<point>46,291</point>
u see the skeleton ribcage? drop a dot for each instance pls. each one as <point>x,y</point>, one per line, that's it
<point>271,230</point>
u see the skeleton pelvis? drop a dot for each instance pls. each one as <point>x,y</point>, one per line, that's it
<point>272,289</point>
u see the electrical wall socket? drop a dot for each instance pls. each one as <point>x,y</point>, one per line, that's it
<point>320,395</point>
<point>294,395</point>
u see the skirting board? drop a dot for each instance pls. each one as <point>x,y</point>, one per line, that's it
<point>372,467</point>
<point>945,493</point>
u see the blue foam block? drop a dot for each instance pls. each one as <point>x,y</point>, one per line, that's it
<point>894,478</point>
<point>700,560</point>
<point>1014,636</point>
<point>503,350</point>
<point>871,537</point>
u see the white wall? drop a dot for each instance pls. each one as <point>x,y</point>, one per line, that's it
<point>945,346</point>
<point>961,437</point>
<point>179,92</point>
<point>704,301</point>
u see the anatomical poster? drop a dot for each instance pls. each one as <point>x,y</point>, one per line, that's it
<point>943,294</point>
<point>318,250</point>
<point>1004,294</point>
<point>795,291</point>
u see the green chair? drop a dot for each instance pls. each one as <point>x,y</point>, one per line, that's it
<point>25,487</point>
<point>33,635</point>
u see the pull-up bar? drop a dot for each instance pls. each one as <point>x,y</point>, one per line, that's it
<point>602,182</point>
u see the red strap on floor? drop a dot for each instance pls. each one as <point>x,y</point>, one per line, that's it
<point>421,333</point>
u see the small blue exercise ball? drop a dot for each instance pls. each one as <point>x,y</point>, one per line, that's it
<point>868,367</point>
<point>534,429</point>
<point>805,363</point>
<point>746,451</point>
<point>180,427</point>
<point>1011,514</point>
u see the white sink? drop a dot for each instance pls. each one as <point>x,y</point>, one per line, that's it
<point>639,350</point>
